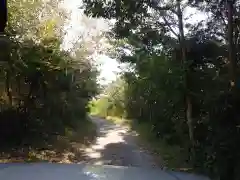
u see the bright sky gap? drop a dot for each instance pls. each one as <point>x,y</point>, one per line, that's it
<point>108,67</point>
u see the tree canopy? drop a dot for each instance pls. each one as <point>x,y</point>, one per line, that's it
<point>44,89</point>
<point>184,77</point>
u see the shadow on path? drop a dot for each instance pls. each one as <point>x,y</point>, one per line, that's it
<point>116,145</point>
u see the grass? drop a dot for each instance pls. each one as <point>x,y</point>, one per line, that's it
<point>60,149</point>
<point>171,156</point>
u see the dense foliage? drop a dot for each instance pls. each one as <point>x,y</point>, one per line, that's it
<point>111,102</point>
<point>44,90</point>
<point>185,85</point>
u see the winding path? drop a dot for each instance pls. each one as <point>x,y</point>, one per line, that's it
<point>116,145</point>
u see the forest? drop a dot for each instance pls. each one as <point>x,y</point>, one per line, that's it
<point>182,80</point>
<point>44,89</point>
<point>180,84</point>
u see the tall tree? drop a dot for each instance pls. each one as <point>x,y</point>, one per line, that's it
<point>151,23</point>
<point>231,47</point>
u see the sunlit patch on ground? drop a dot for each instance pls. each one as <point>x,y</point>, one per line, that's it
<point>110,136</point>
<point>116,145</point>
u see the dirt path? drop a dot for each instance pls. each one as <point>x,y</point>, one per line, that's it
<point>116,145</point>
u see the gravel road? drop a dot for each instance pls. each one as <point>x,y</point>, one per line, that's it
<point>116,145</point>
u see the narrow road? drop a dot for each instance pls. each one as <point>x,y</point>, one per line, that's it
<point>116,145</point>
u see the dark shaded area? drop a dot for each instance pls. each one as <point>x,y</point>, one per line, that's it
<point>3,15</point>
<point>121,154</point>
<point>56,148</point>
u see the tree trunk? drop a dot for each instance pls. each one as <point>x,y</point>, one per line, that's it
<point>231,47</point>
<point>186,82</point>
<point>8,87</point>
<point>230,162</point>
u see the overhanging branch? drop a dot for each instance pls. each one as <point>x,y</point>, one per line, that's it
<point>169,26</point>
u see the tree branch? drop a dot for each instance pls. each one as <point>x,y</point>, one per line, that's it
<point>221,16</point>
<point>171,29</point>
